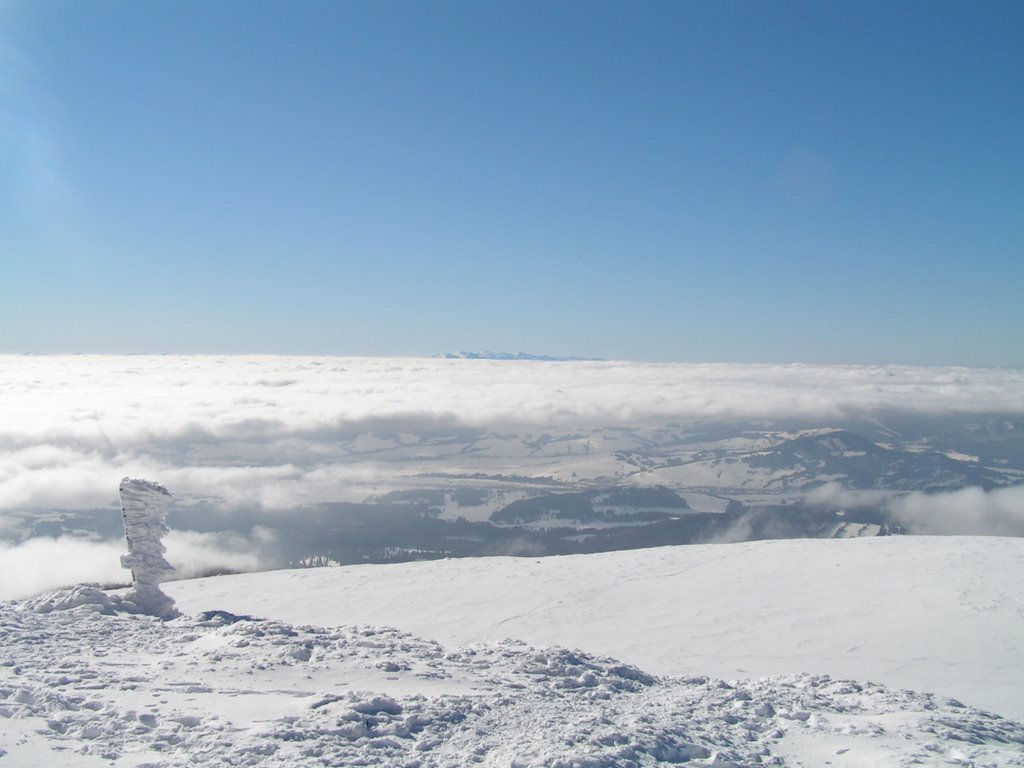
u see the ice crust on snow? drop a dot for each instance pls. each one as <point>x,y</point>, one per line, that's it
<point>222,689</point>
<point>144,507</point>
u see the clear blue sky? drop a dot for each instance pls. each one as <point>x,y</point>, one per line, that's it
<point>735,181</point>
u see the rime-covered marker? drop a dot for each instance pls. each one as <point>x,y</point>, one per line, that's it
<point>144,509</point>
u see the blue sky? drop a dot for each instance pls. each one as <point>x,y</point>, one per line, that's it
<point>693,181</point>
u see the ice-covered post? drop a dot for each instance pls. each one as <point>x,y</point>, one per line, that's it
<point>144,507</point>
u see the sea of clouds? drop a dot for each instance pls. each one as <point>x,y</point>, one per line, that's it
<point>264,431</point>
<point>249,429</point>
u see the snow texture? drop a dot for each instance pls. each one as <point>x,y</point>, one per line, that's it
<point>83,685</point>
<point>85,680</point>
<point>144,507</point>
<point>941,614</point>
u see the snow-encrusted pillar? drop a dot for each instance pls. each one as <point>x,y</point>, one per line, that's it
<point>144,507</point>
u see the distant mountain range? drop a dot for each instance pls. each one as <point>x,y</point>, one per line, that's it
<point>489,355</point>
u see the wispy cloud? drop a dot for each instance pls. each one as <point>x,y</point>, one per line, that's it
<point>40,564</point>
<point>967,511</point>
<point>44,563</point>
<point>999,512</point>
<point>834,496</point>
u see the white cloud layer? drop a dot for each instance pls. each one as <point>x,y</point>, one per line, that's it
<point>103,402</point>
<point>44,563</point>
<point>834,496</point>
<point>100,400</point>
<point>263,431</point>
<point>275,433</point>
<point>999,512</point>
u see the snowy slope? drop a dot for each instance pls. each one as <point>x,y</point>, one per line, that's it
<point>320,681</point>
<point>935,613</point>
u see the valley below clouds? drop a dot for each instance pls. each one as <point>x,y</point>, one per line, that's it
<point>279,461</point>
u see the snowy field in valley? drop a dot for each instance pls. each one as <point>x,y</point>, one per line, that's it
<point>870,652</point>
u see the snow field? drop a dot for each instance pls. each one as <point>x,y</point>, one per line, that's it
<point>328,666</point>
<point>939,614</point>
<point>107,688</point>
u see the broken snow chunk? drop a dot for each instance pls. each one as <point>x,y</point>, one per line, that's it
<point>76,597</point>
<point>798,714</point>
<point>352,730</point>
<point>91,732</point>
<point>668,752</point>
<point>219,618</point>
<point>378,704</point>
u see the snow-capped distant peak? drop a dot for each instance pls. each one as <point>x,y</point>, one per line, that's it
<point>489,355</point>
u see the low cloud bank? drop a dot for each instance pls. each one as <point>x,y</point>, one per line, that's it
<point>968,511</point>
<point>86,483</point>
<point>834,496</point>
<point>43,563</point>
<point>197,554</point>
<point>279,432</point>
<point>112,403</point>
<point>999,512</point>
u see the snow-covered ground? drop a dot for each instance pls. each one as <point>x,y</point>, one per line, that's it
<point>746,654</point>
<point>944,614</point>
